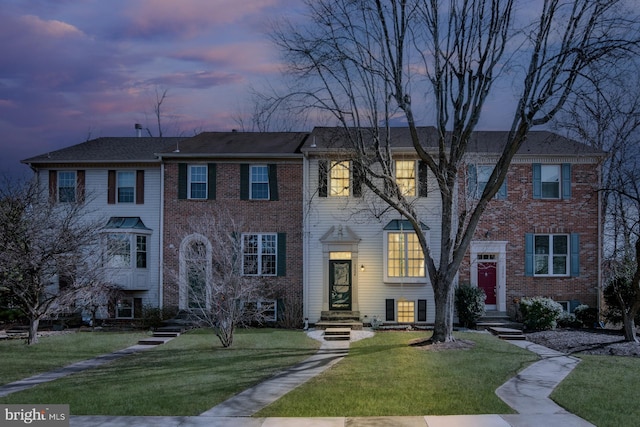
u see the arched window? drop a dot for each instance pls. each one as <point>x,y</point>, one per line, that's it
<point>195,271</point>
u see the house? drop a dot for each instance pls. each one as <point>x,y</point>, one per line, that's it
<point>119,181</point>
<point>540,236</point>
<point>254,177</point>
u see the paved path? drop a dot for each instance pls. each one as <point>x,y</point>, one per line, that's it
<point>527,393</point>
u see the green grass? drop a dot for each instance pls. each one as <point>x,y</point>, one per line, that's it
<point>186,376</point>
<point>602,390</point>
<point>21,361</point>
<point>383,376</point>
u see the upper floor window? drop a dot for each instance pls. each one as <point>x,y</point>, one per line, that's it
<point>198,181</point>
<point>66,186</point>
<point>479,177</point>
<point>126,186</point>
<point>406,177</point>
<point>339,179</point>
<point>259,182</point>
<point>259,253</point>
<point>551,181</point>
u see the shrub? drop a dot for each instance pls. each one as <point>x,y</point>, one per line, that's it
<point>152,317</point>
<point>469,302</point>
<point>568,320</point>
<point>613,312</point>
<point>539,313</point>
<point>586,316</point>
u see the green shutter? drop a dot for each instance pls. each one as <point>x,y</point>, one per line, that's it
<point>502,192</point>
<point>273,182</point>
<point>528,254</point>
<point>323,167</point>
<point>472,171</point>
<point>182,180</point>
<point>537,181</point>
<point>211,181</point>
<point>423,176</point>
<point>244,181</point>
<point>566,180</point>
<point>575,255</point>
<point>282,254</point>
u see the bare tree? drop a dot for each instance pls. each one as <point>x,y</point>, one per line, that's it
<point>92,299</point>
<point>42,241</point>
<point>371,64</point>
<point>218,293</point>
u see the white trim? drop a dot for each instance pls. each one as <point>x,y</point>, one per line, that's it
<point>183,283</point>
<point>491,247</point>
<point>251,182</point>
<point>206,181</point>
<point>404,280</point>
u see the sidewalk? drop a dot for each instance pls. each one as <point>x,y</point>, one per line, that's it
<point>527,393</point>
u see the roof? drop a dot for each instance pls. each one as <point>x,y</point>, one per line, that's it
<point>240,144</point>
<point>109,150</point>
<point>324,139</point>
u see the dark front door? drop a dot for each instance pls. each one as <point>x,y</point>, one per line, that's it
<point>339,285</point>
<point>487,280</point>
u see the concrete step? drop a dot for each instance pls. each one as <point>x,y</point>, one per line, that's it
<point>337,334</point>
<point>166,334</point>
<point>353,325</point>
<point>520,337</point>
<point>507,333</point>
<point>154,340</point>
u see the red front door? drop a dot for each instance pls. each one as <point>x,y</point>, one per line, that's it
<point>487,280</point>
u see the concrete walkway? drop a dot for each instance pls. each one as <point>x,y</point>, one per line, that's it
<point>527,393</point>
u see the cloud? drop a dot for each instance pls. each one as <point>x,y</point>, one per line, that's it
<point>196,79</point>
<point>49,28</point>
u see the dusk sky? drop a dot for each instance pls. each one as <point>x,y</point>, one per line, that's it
<point>73,70</point>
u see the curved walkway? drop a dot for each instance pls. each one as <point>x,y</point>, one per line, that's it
<point>527,393</point>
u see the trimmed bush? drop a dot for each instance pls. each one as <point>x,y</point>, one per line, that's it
<point>568,320</point>
<point>540,313</point>
<point>587,316</point>
<point>469,302</point>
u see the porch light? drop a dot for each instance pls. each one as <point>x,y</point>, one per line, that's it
<point>362,267</point>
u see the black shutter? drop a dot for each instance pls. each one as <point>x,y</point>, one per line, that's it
<point>80,180</point>
<point>139,187</point>
<point>111,187</point>
<point>273,182</point>
<point>422,310</point>
<point>182,180</point>
<point>390,310</point>
<point>423,172</point>
<point>244,181</point>
<point>53,186</point>
<point>357,176</point>
<point>323,168</point>
<point>211,181</point>
<point>282,255</point>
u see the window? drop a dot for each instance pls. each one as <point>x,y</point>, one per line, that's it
<point>404,255</point>
<point>259,183</point>
<point>66,186</point>
<point>126,184</point>
<point>551,181</point>
<point>406,311</point>
<point>406,177</point>
<point>198,182</point>
<point>118,251</point>
<point>339,179</point>
<point>259,253</point>
<point>551,255</point>
<point>478,179</point>
<point>141,251</point>
<point>124,308</point>
<point>196,260</point>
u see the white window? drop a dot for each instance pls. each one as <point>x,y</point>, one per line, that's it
<point>259,253</point>
<point>404,255</point>
<point>67,186</point>
<point>551,255</point>
<point>196,259</point>
<point>406,311</point>
<point>406,177</point>
<point>197,181</point>
<point>550,181</point>
<point>126,185</point>
<point>124,308</point>
<point>339,181</point>
<point>259,183</point>
<point>122,248</point>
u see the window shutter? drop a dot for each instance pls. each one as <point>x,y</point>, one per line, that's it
<point>282,254</point>
<point>323,167</point>
<point>537,181</point>
<point>111,187</point>
<point>137,308</point>
<point>423,176</point>
<point>139,187</point>
<point>80,179</point>
<point>182,180</point>
<point>472,192</point>
<point>390,310</point>
<point>502,191</point>
<point>53,186</point>
<point>357,176</point>
<point>273,182</point>
<point>211,181</point>
<point>244,181</point>
<point>528,254</point>
<point>575,254</point>
<point>566,180</point>
<point>422,310</point>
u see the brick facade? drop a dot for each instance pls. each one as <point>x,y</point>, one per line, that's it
<point>511,219</point>
<point>257,216</point>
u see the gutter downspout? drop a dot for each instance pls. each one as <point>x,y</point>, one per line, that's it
<point>600,242</point>
<point>161,266</point>
<point>305,240</point>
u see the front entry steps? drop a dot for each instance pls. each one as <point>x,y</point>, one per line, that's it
<point>159,337</point>
<point>337,334</point>
<point>507,333</point>
<point>340,319</point>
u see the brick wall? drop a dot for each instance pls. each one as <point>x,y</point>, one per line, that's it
<point>510,219</point>
<point>257,216</point>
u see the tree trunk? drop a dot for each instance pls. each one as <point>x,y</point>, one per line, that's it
<point>33,331</point>
<point>443,327</point>
<point>629,326</point>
